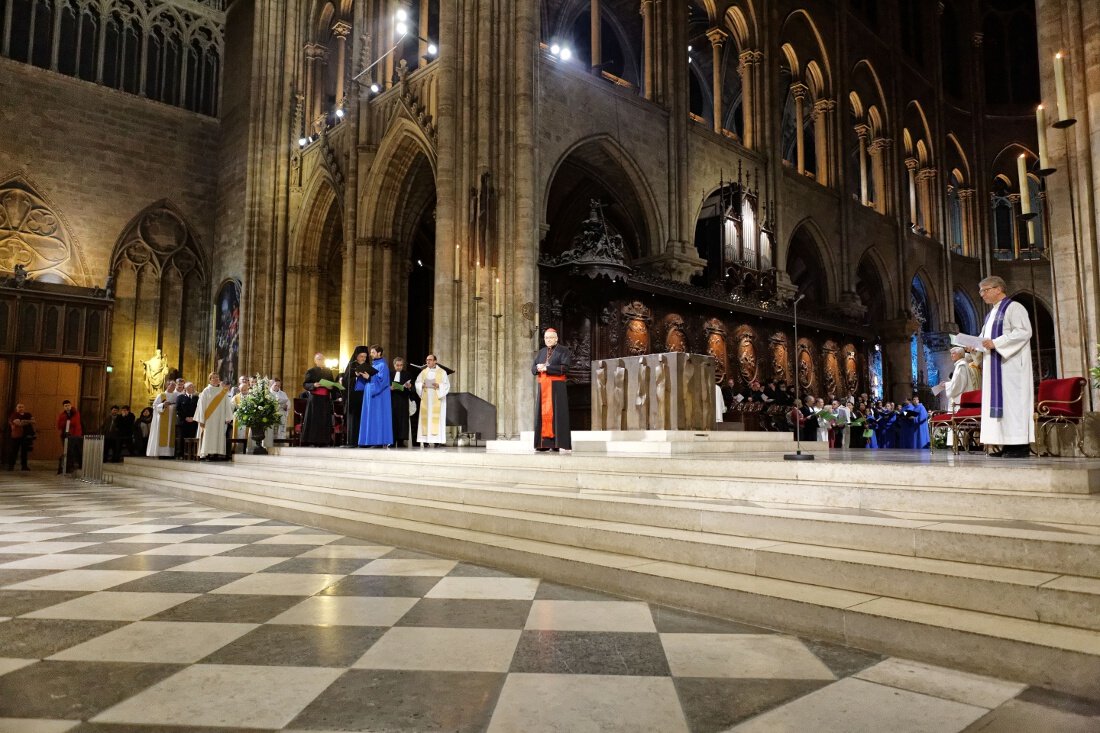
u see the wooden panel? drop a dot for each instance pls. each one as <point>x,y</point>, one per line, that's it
<point>41,386</point>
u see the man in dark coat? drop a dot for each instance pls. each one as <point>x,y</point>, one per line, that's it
<point>551,399</point>
<point>123,433</point>
<point>356,374</point>
<point>317,423</point>
<point>403,400</point>
<point>186,427</point>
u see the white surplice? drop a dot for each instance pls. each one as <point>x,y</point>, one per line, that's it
<point>162,430</point>
<point>962,380</point>
<point>212,419</point>
<point>1015,426</point>
<point>433,405</point>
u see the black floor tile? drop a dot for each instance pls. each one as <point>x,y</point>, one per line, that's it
<point>712,705</point>
<point>33,638</point>
<point>229,608</point>
<point>183,582</point>
<point>299,646</point>
<point>467,614</point>
<point>590,652</point>
<point>64,689</point>
<point>381,585</point>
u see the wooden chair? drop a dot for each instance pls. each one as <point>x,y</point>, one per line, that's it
<point>963,425</point>
<point>1059,404</point>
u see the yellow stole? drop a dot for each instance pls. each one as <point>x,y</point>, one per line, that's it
<point>165,425</point>
<point>214,404</point>
<point>430,418</point>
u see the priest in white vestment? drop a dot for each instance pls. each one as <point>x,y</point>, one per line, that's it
<point>162,430</point>
<point>432,385</point>
<point>213,412</point>
<point>962,379</point>
<point>240,432</point>
<point>1008,391</point>
<point>279,431</point>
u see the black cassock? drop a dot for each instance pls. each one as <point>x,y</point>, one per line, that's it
<point>399,403</point>
<point>353,399</point>
<point>557,364</point>
<point>317,423</point>
<point>185,408</point>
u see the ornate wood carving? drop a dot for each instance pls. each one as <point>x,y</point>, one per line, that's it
<point>716,347</point>
<point>675,336</point>
<point>638,318</point>
<point>745,338</point>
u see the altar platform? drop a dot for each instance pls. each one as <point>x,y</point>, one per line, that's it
<point>984,564</point>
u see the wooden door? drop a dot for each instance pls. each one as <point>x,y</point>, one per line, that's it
<point>41,386</point>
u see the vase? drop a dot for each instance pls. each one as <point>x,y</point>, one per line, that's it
<point>258,447</point>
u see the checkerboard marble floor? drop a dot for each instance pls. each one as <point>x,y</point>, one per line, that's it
<point>125,611</point>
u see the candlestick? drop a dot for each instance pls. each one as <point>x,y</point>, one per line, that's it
<point>1025,189</point>
<point>1041,129</point>
<point>458,263</point>
<point>1060,86</point>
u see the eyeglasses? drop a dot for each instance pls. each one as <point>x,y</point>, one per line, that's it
<point>991,287</point>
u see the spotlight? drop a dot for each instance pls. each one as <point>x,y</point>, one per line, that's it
<point>689,48</point>
<point>302,142</point>
<point>110,369</point>
<point>691,60</point>
<point>401,15</point>
<point>375,88</point>
<point>340,113</point>
<point>332,363</point>
<point>401,29</point>
<point>432,49</point>
<point>420,263</point>
<point>566,54</point>
<point>555,49</point>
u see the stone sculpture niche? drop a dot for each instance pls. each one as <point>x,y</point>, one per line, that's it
<point>673,391</point>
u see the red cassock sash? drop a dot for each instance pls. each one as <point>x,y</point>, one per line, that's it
<point>546,406</point>
<point>320,391</point>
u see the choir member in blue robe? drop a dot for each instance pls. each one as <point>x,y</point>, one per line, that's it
<point>890,428</point>
<point>907,426</point>
<point>921,438</point>
<point>376,421</point>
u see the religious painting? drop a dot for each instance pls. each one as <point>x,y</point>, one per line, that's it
<point>780,357</point>
<point>716,347</point>
<point>227,337</point>
<point>745,338</point>
<point>831,370</point>
<point>638,318</point>
<point>851,368</point>
<point>675,338</point>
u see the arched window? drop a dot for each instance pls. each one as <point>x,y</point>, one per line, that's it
<point>966,318</point>
<point>924,369</point>
<point>1002,223</point>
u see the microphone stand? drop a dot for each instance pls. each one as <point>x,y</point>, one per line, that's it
<point>798,455</point>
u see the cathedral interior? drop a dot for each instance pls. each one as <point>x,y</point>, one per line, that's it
<point>234,185</point>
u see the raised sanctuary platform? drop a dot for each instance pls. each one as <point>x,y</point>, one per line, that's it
<point>971,562</point>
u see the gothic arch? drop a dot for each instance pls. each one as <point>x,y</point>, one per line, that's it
<point>740,18</point>
<point>320,197</point>
<point>35,234</point>
<point>161,273</point>
<point>871,263</point>
<point>611,167</point>
<point>398,153</point>
<point>808,262</point>
<point>922,282</point>
<point>800,33</point>
<point>957,155</point>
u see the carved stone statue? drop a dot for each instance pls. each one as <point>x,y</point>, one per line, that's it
<point>601,397</point>
<point>156,371</point>
<point>638,318</point>
<point>675,340</point>
<point>641,402</point>
<point>618,421</point>
<point>661,379</point>
<point>716,347</point>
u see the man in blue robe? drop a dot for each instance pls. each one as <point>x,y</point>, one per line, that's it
<point>907,426</point>
<point>886,426</point>
<point>921,438</point>
<point>376,421</point>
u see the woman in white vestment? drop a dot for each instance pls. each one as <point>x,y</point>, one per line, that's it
<point>162,430</point>
<point>432,385</point>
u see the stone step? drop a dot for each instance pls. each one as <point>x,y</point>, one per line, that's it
<point>1050,596</point>
<point>672,448</point>
<point>702,475</point>
<point>1044,654</point>
<point>548,471</point>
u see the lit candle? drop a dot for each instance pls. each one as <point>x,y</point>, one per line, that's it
<point>477,278</point>
<point>458,263</point>
<point>1025,190</point>
<point>1060,85</point>
<point>1041,128</point>
<point>496,296</point>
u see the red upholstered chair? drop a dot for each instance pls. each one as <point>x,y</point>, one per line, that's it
<point>964,424</point>
<point>1061,403</point>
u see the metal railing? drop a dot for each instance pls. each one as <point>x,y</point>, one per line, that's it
<point>92,460</point>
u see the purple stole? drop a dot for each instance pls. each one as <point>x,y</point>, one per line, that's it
<point>996,386</point>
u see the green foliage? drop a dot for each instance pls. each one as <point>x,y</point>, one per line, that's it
<point>259,409</point>
<point>1094,372</point>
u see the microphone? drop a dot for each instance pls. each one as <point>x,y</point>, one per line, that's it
<point>799,299</point>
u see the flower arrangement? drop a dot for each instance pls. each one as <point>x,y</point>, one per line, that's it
<point>259,410</point>
<point>1094,372</point>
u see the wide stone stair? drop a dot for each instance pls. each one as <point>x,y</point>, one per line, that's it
<point>971,567</point>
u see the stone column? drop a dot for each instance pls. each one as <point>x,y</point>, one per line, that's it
<point>926,190</point>
<point>718,39</point>
<point>863,132</point>
<point>823,119</point>
<point>748,68</point>
<point>340,31</point>
<point>884,184</point>
<point>422,18</point>
<point>800,92</point>
<point>897,337</point>
<point>966,205</point>
<point>648,48</point>
<point>594,31</point>
<point>313,53</point>
<point>911,165</point>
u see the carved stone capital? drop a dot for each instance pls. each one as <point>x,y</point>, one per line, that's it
<point>976,39</point>
<point>676,264</point>
<point>717,36</point>
<point>315,52</point>
<point>341,29</point>
<point>880,144</point>
<point>900,329</point>
<point>926,174</point>
<point>965,194</point>
<point>863,132</point>
<point>800,90</point>
<point>750,57</point>
<point>851,306</point>
<point>912,164</point>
